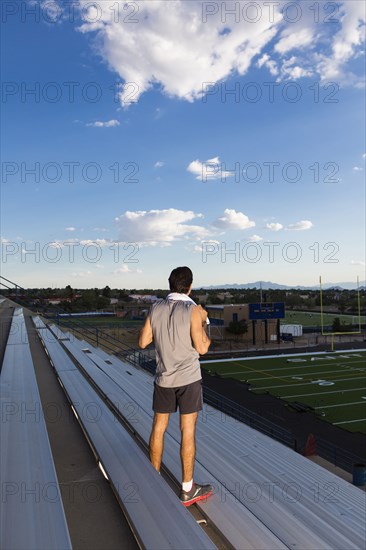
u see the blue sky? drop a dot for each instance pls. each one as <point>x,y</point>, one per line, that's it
<point>164,134</point>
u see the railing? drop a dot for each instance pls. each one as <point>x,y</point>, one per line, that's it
<point>337,456</point>
<point>329,328</point>
<point>95,334</point>
<point>250,418</point>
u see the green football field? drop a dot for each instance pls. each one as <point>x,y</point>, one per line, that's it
<point>307,318</point>
<point>333,384</point>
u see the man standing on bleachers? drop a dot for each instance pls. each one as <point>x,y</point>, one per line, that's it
<point>178,328</point>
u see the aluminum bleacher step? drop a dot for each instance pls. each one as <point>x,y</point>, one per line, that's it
<point>32,514</point>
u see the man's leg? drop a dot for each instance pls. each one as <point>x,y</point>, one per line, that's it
<point>160,424</point>
<point>188,446</point>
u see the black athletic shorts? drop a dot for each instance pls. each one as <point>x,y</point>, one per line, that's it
<point>187,398</point>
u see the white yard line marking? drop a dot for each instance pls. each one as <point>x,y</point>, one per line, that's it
<point>309,383</point>
<point>307,374</point>
<point>281,356</point>
<point>228,373</point>
<point>318,393</point>
<point>312,366</point>
<point>340,405</point>
<point>350,421</point>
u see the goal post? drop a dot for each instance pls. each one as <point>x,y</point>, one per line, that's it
<point>358,317</point>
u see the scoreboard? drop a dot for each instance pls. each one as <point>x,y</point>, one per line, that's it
<point>267,310</point>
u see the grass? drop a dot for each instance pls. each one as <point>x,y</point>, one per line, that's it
<point>306,318</point>
<point>333,384</point>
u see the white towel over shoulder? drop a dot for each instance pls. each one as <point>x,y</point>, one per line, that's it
<point>185,298</point>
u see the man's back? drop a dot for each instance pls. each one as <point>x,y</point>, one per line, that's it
<point>177,360</point>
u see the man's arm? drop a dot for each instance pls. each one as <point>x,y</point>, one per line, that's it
<point>201,341</point>
<point>146,334</point>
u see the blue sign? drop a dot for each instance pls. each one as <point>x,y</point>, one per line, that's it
<point>267,310</point>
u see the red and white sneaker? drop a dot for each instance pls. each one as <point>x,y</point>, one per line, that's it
<point>198,492</point>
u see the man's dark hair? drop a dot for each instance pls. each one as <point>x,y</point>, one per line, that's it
<point>180,279</point>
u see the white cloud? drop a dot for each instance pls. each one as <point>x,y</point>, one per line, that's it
<point>294,40</point>
<point>357,168</point>
<point>70,228</point>
<point>125,269</point>
<point>199,248</point>
<point>210,169</point>
<point>107,124</point>
<point>174,47</point>
<point>346,44</point>
<point>364,156</point>
<point>95,242</point>
<point>81,274</point>
<point>158,227</point>
<point>158,164</point>
<point>271,64</point>
<point>300,226</point>
<point>291,70</point>
<point>358,262</point>
<point>233,220</point>
<point>58,243</point>
<point>61,244</point>
<point>274,226</point>
<point>254,239</point>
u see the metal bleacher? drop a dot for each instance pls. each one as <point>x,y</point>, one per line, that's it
<point>32,514</point>
<point>266,495</point>
<point>155,514</point>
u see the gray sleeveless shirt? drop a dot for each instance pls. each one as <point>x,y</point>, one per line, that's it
<point>177,362</point>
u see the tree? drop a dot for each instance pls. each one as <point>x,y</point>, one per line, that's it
<point>102,302</point>
<point>65,305</point>
<point>69,293</point>
<point>238,328</point>
<point>214,299</point>
<point>89,300</point>
<point>293,300</point>
<point>123,296</point>
<point>342,304</point>
<point>106,292</point>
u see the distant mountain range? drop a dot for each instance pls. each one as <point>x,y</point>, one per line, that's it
<point>267,285</point>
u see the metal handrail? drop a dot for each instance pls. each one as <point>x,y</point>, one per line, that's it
<point>337,455</point>
<point>254,420</point>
